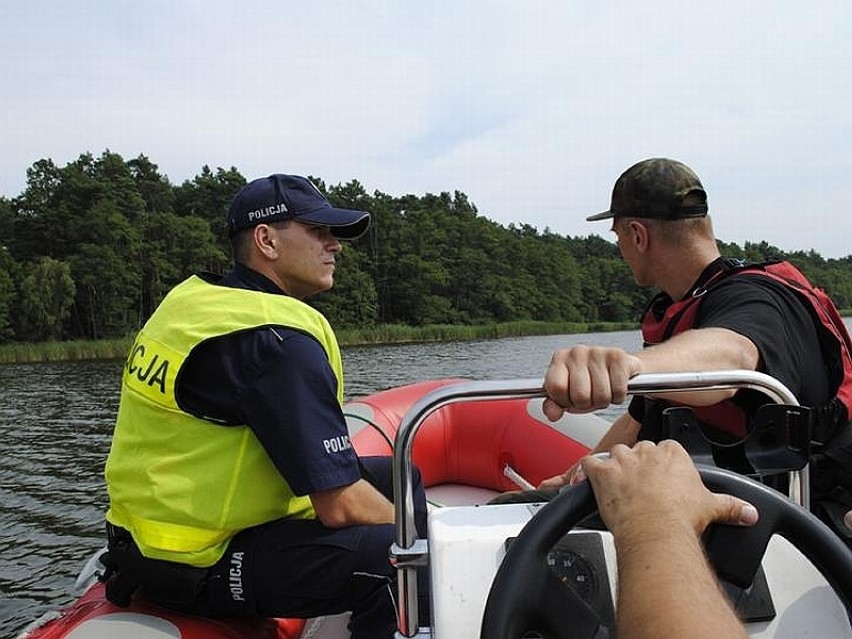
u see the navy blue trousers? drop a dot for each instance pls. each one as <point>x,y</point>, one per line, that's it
<point>301,569</point>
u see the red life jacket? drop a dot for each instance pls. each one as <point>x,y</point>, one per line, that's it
<point>835,344</point>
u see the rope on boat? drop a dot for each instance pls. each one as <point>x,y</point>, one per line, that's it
<point>368,421</point>
<point>314,626</point>
<point>389,442</point>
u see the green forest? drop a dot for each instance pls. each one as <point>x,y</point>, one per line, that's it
<point>89,249</point>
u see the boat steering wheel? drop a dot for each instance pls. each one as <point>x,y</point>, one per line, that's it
<point>520,603</point>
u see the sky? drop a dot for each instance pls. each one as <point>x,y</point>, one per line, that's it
<point>532,108</point>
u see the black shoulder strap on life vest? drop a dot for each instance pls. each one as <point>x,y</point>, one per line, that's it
<point>662,316</point>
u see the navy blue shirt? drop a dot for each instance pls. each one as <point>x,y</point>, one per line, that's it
<point>278,381</point>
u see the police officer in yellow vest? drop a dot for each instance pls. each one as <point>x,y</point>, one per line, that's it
<point>233,487</point>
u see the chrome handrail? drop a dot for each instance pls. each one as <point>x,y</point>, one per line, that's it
<point>409,552</point>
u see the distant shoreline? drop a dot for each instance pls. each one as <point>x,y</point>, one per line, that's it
<point>30,353</point>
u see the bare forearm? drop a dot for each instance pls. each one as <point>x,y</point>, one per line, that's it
<point>666,588</point>
<point>624,430</point>
<point>652,500</point>
<point>358,503</point>
<point>700,350</point>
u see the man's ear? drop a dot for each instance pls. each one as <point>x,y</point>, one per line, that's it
<point>640,235</point>
<point>265,241</point>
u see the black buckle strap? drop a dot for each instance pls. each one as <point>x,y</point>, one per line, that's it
<point>119,584</point>
<point>827,421</point>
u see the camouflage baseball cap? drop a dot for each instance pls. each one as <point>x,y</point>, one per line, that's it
<point>656,188</point>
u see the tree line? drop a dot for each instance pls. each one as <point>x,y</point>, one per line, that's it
<point>89,249</point>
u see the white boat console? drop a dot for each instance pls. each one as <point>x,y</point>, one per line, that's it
<point>473,551</point>
<point>468,543</point>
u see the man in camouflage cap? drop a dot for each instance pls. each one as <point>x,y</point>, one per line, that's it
<point>657,188</point>
<point>713,313</point>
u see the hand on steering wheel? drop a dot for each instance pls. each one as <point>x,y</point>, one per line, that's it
<point>519,601</point>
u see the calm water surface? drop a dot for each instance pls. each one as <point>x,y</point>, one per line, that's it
<point>55,426</point>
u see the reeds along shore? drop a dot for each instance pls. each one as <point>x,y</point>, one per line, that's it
<point>24,353</point>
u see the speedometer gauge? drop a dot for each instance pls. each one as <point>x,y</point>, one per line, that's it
<point>575,572</point>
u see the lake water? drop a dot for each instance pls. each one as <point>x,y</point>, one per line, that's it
<point>55,427</point>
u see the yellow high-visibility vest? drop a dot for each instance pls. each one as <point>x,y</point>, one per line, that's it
<point>183,486</point>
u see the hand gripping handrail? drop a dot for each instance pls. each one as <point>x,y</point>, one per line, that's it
<point>409,552</point>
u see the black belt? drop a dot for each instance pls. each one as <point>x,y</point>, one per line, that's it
<point>164,582</point>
